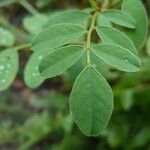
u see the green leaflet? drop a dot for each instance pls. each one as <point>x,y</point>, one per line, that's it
<point>118,57</point>
<point>91,102</point>
<point>34,24</point>
<point>73,17</point>
<point>7,38</point>
<point>99,65</point>
<point>137,11</point>
<point>9,63</point>
<point>103,21</point>
<point>120,18</point>
<point>31,75</point>
<point>56,36</point>
<point>60,60</point>
<point>111,35</point>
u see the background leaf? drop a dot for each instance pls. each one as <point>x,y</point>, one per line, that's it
<point>7,38</point>
<point>31,75</point>
<point>136,9</point>
<point>34,24</point>
<point>8,67</point>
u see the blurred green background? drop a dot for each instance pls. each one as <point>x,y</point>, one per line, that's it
<point>40,119</point>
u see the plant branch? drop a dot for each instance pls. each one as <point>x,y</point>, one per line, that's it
<point>19,34</point>
<point>93,3</point>
<point>89,34</point>
<point>22,46</point>
<point>28,7</point>
<point>105,4</point>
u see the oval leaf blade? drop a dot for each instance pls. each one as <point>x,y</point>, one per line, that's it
<point>60,60</point>
<point>118,57</point>
<point>103,21</point>
<point>91,102</point>
<point>7,38</point>
<point>9,64</point>
<point>120,18</point>
<point>139,14</point>
<point>111,35</point>
<point>34,24</point>
<point>73,17</point>
<point>32,77</point>
<point>56,36</point>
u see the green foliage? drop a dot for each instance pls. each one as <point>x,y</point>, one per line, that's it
<point>120,18</point>
<point>73,17</point>
<point>4,3</point>
<point>32,76</point>
<point>60,60</point>
<point>5,37</point>
<point>33,24</point>
<point>64,39</point>
<point>116,37</point>
<point>9,63</point>
<point>118,57</point>
<point>93,116</point>
<point>136,9</point>
<point>51,37</point>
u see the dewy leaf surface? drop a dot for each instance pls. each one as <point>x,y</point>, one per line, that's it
<point>9,63</point>
<point>136,9</point>
<point>73,17</point>
<point>118,57</point>
<point>91,102</point>
<point>111,35</point>
<point>7,38</point>
<point>32,77</point>
<point>60,60</point>
<point>56,36</point>
<point>120,18</point>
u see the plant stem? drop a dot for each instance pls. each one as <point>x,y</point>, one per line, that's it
<point>28,7</point>
<point>22,46</point>
<point>19,34</point>
<point>94,4</point>
<point>105,4</point>
<point>89,34</point>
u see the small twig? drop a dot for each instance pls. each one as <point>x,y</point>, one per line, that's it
<point>29,7</point>
<point>22,46</point>
<point>93,3</point>
<point>20,34</point>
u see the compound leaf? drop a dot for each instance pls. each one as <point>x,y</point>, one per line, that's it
<point>9,64</point>
<point>120,18</point>
<point>118,57</point>
<point>73,17</point>
<point>111,35</point>
<point>7,38</point>
<point>91,102</point>
<point>60,60</point>
<point>56,36</point>
<point>136,9</point>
